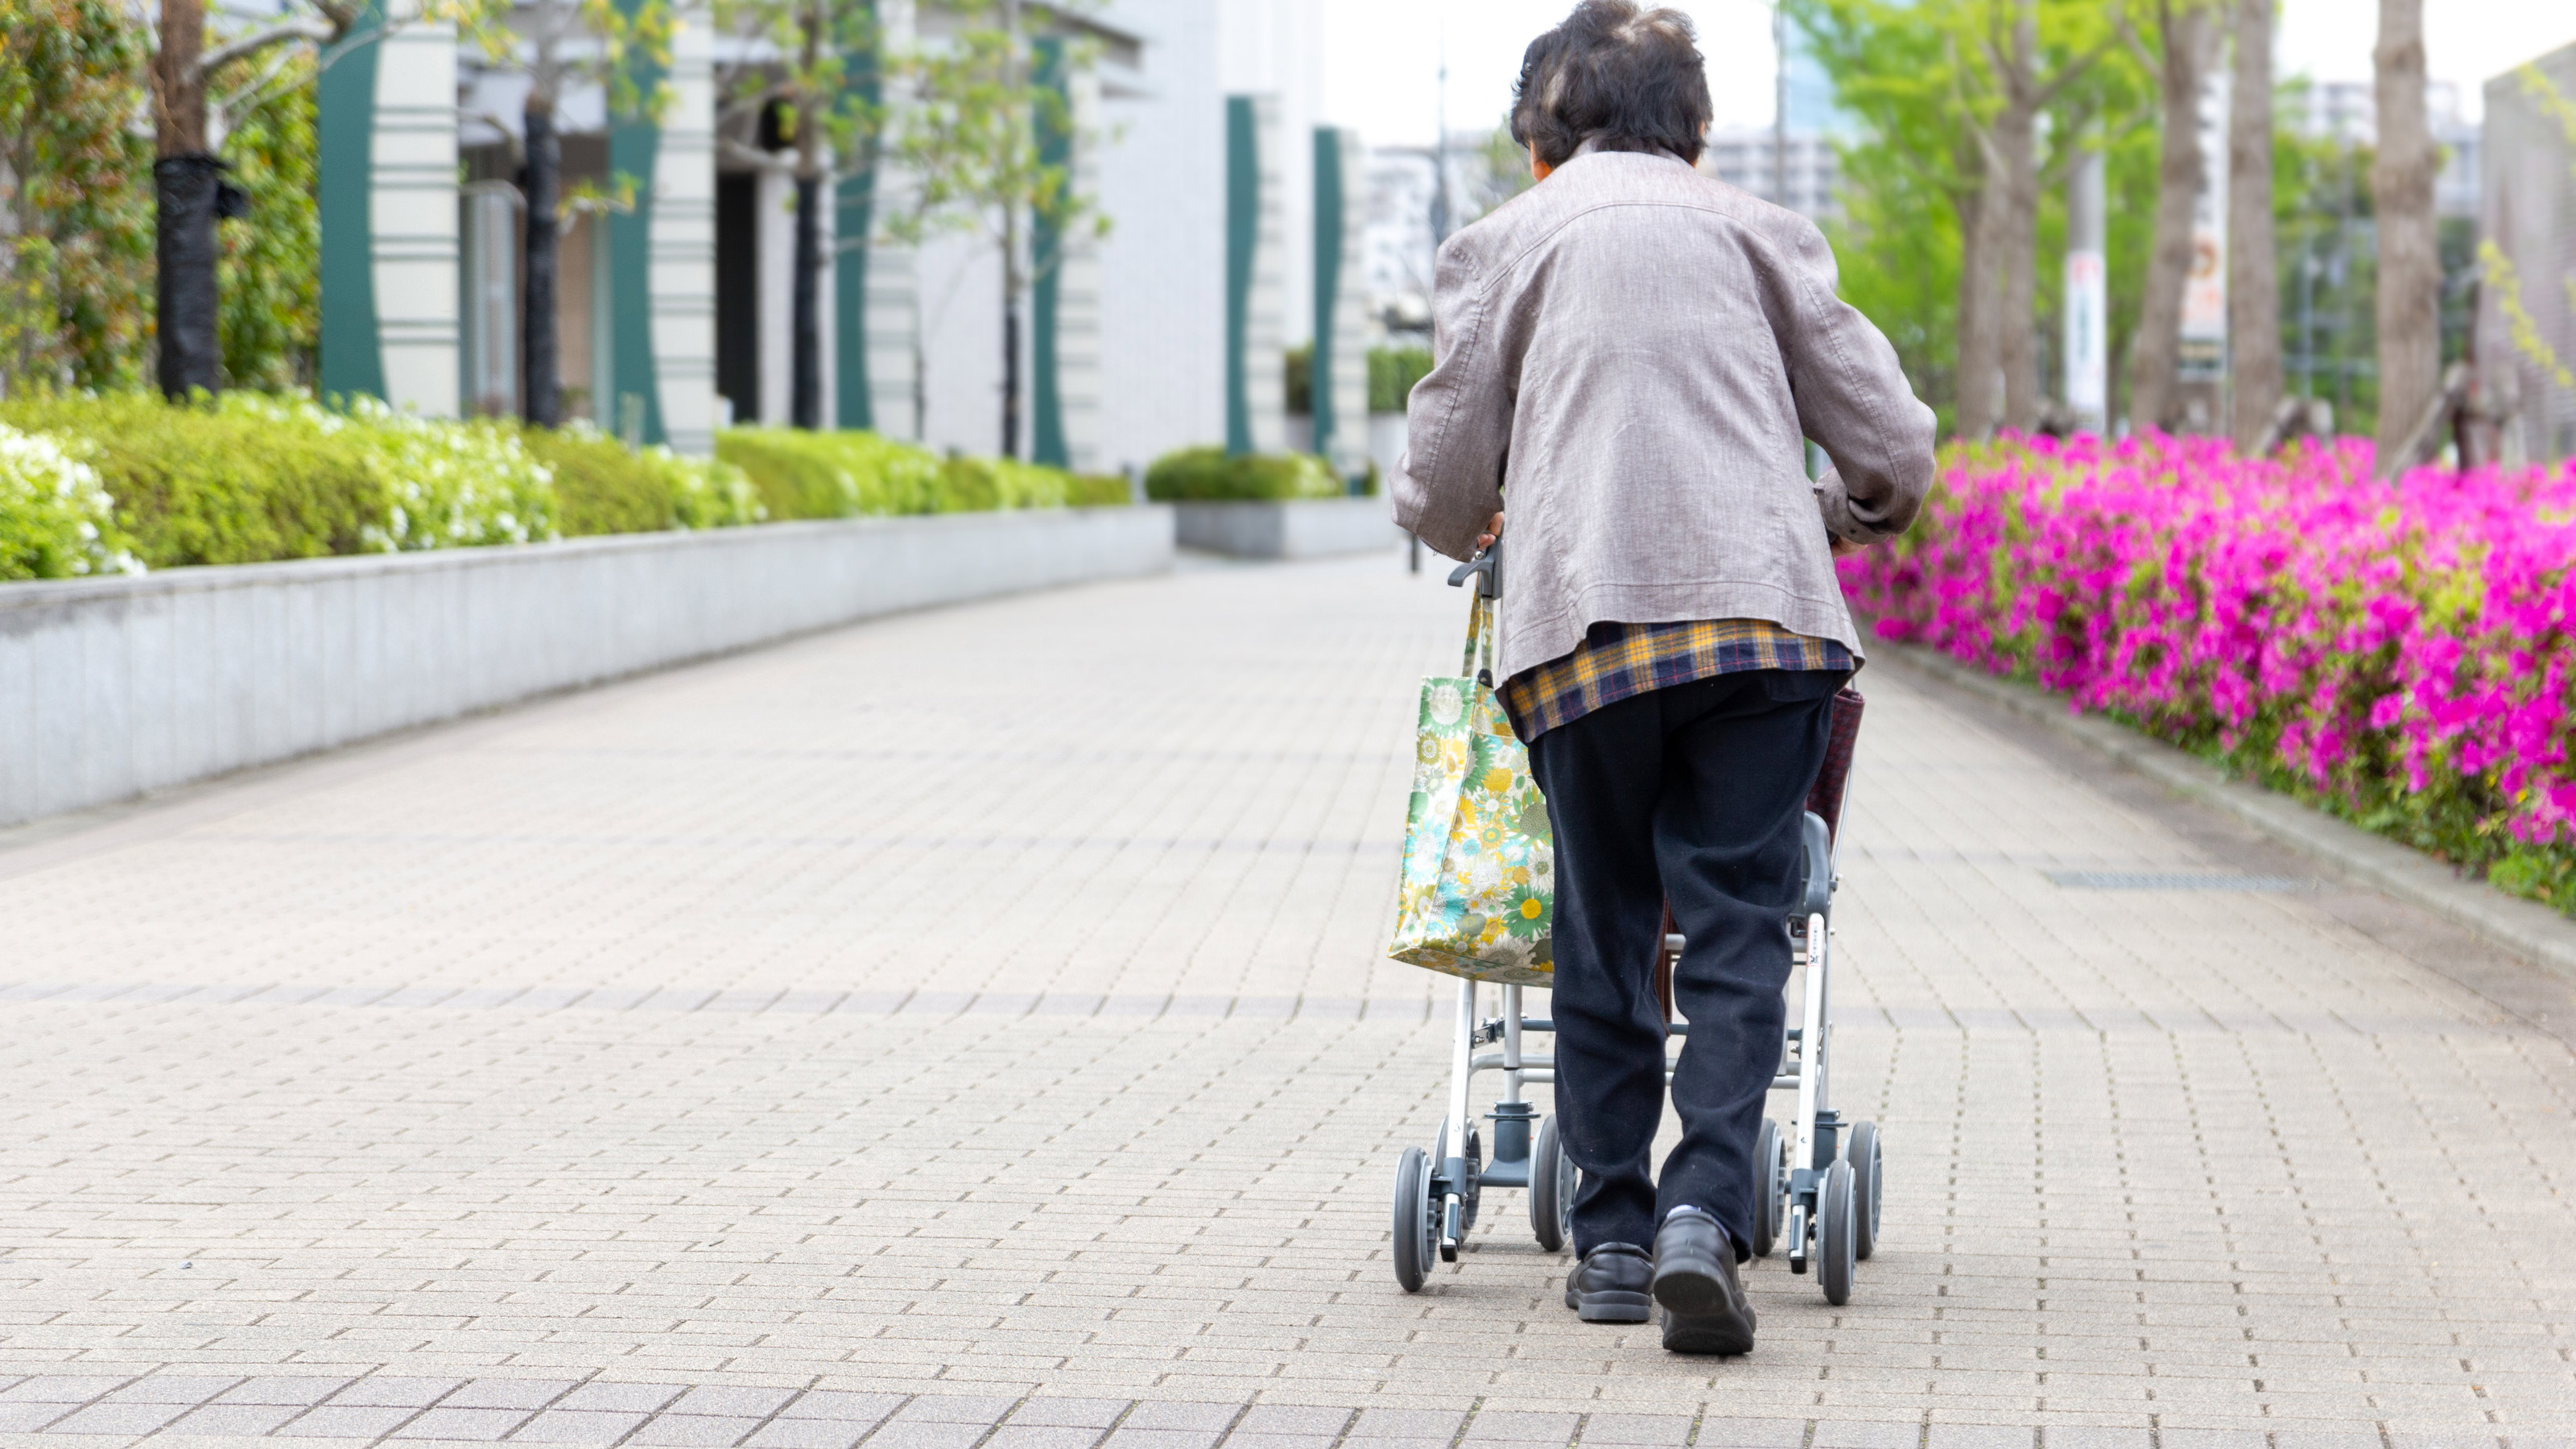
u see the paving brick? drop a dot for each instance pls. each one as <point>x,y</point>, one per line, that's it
<point>1201,1417</point>
<point>807,1434</point>
<point>26,1418</point>
<point>693,1431</point>
<point>1842,1434</point>
<point>59,1389</point>
<point>619,1397</point>
<point>233,1420</point>
<point>1069,1412</point>
<point>394,1392</point>
<point>1405,1423</point>
<point>339,1422</point>
<point>125,1419</point>
<point>1646,1431</point>
<point>575,1426</point>
<point>281,1390</point>
<point>1748,1434</point>
<point>842,1406</point>
<point>739,1401</point>
<point>171,1389</point>
<point>1292,1419</point>
<point>1016,1435</point>
<point>1508,1427</point>
<point>445,1422</point>
<point>507,1394</point>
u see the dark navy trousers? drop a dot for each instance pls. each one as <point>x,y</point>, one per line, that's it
<point>1694,794</point>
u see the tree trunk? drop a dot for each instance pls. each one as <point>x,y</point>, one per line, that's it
<point>807,397</point>
<point>2410,269</point>
<point>1977,309</point>
<point>2181,74</point>
<point>2016,263</point>
<point>542,348</point>
<point>2253,266</point>
<point>1010,337</point>
<point>188,188</point>
<point>2016,134</point>
<point>1011,262</point>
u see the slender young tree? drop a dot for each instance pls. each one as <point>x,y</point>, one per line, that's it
<point>2186,48</point>
<point>818,50</point>
<point>967,146</point>
<point>2253,265</point>
<point>189,192</point>
<point>561,44</point>
<point>2018,42</point>
<point>2410,264</point>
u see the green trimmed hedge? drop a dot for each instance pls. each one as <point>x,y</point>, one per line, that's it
<point>1208,475</point>
<point>93,483</point>
<point>854,474</point>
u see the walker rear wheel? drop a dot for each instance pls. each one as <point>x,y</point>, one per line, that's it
<point>1867,1184</point>
<point>1416,1237</point>
<point>1770,1185</point>
<point>1835,1247</point>
<point>1551,1192</point>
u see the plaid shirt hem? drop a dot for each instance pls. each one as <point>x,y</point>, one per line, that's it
<point>1619,661</point>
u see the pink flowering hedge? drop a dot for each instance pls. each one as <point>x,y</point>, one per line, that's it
<point>2400,653</point>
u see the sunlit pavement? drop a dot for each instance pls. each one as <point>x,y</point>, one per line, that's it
<point>972,1029</point>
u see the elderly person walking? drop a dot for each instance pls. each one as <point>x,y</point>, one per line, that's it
<point>1632,355</point>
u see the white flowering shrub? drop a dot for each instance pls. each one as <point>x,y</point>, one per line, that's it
<point>56,521</point>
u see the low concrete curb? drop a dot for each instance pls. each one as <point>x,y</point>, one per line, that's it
<point>113,687</point>
<point>2525,928</point>
<point>1303,528</point>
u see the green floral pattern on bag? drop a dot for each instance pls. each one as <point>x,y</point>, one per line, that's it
<point>1479,886</point>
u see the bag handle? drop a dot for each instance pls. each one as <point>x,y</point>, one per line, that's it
<point>1480,633</point>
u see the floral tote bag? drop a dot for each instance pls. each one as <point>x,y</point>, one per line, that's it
<point>1479,886</point>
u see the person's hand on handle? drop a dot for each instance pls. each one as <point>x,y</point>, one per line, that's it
<point>1493,530</point>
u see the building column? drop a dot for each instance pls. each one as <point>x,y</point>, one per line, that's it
<point>1256,400</point>
<point>1338,367</point>
<point>662,257</point>
<point>388,209</point>
<point>1065,311</point>
<point>774,221</point>
<point>871,345</point>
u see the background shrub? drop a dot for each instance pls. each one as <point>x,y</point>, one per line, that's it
<point>854,474</point>
<point>55,520</point>
<point>602,486</point>
<point>1207,475</point>
<point>196,486</point>
<point>1392,373</point>
<point>248,478</point>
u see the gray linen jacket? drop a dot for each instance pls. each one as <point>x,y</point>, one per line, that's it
<point>1634,353</point>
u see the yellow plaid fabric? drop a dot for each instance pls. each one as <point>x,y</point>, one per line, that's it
<point>1619,661</point>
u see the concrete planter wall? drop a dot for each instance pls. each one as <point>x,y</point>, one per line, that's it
<point>1305,528</point>
<point>112,687</point>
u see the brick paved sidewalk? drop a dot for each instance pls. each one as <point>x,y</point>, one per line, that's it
<point>970,1030</point>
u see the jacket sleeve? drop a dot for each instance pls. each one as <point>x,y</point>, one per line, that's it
<point>1854,401</point>
<point>1458,423</point>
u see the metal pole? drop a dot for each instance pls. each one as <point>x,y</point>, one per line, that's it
<point>1780,103</point>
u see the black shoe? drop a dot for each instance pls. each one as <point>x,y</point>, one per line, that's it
<point>1704,1307</point>
<point>1609,1285</point>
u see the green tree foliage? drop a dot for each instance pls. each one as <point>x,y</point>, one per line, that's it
<point>271,322</point>
<point>76,264</point>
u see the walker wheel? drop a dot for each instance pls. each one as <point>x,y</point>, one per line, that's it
<point>1834,1234</point>
<point>1770,1185</point>
<point>1475,1189</point>
<point>1866,1187</point>
<point>1416,1237</point>
<point>1551,1193</point>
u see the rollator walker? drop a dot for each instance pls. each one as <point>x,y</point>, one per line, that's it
<point>1819,1182</point>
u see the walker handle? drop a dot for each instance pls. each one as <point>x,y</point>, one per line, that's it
<point>1485,568</point>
